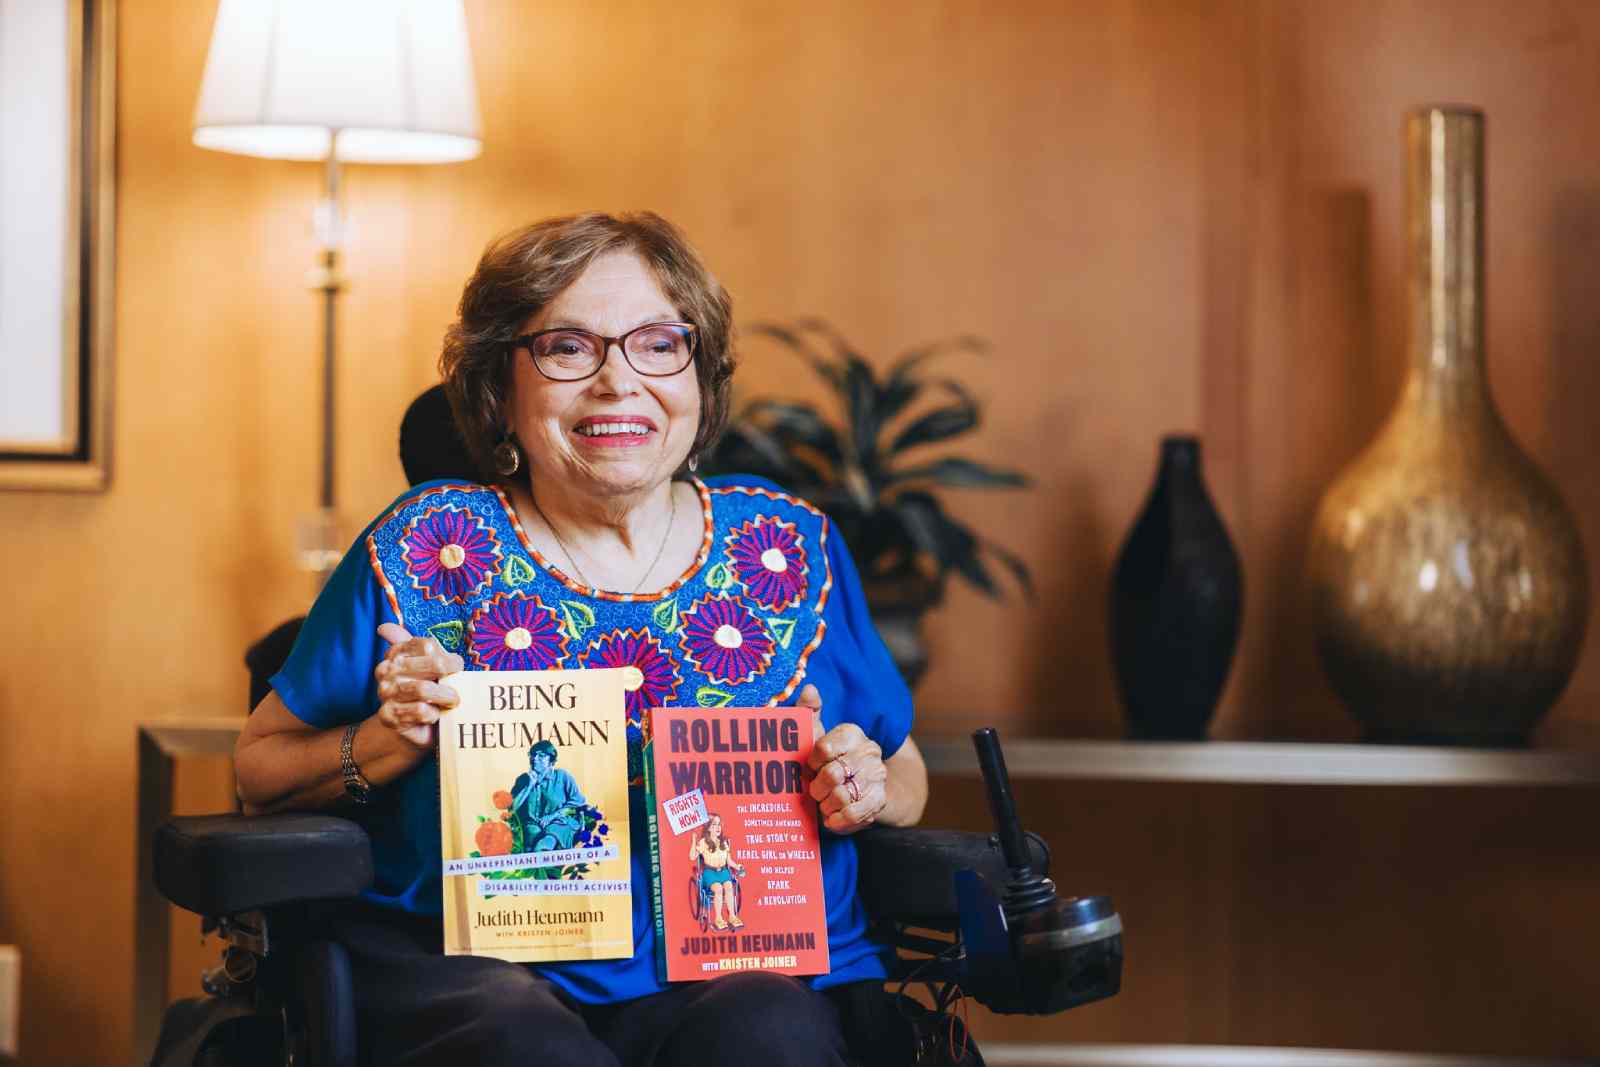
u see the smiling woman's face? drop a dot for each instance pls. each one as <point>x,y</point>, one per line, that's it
<point>567,429</point>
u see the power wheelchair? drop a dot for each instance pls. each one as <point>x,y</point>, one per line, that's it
<point>969,914</point>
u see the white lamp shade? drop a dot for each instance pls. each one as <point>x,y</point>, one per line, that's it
<point>375,81</point>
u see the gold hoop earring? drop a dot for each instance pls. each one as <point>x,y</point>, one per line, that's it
<point>507,457</point>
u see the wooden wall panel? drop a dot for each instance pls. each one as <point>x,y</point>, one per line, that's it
<point>1425,920</point>
<point>1163,215</point>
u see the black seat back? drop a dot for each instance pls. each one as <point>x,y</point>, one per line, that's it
<point>267,656</point>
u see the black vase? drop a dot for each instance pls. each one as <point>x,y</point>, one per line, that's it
<point>1176,600</point>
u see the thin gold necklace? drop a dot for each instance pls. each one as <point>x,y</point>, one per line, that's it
<point>672,519</point>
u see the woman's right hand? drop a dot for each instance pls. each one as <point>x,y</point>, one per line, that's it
<point>408,684</point>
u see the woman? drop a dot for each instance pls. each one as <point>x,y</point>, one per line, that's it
<point>717,870</point>
<point>589,366</point>
<point>547,801</point>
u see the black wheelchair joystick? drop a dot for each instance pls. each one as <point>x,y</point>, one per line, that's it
<point>1027,891</point>
<point>1030,949</point>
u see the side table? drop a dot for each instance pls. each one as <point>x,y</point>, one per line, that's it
<point>161,745</point>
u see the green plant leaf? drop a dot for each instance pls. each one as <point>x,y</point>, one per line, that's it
<point>959,473</point>
<point>576,618</point>
<point>903,367</point>
<point>843,352</point>
<point>896,528</point>
<point>1013,563</point>
<point>921,517</point>
<point>894,397</point>
<point>719,577</point>
<point>880,545</point>
<point>747,448</point>
<point>791,423</point>
<point>971,567</point>
<point>901,385</point>
<point>861,401</point>
<point>951,545</point>
<point>940,424</point>
<point>831,374</point>
<point>707,697</point>
<point>852,377</point>
<point>763,443</point>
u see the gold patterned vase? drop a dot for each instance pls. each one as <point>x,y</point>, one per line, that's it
<point>1448,581</point>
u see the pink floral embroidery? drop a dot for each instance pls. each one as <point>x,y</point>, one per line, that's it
<point>769,560</point>
<point>636,648</point>
<point>516,632</point>
<point>724,640</point>
<point>449,554</point>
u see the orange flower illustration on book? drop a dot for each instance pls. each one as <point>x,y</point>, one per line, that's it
<point>493,839</point>
<point>544,811</point>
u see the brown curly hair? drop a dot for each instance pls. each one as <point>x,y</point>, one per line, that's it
<point>524,270</point>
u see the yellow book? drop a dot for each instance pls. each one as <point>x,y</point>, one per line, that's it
<point>533,808</point>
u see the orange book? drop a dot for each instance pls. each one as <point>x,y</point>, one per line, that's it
<point>735,854</point>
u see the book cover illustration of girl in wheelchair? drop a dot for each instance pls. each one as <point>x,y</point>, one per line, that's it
<point>714,887</point>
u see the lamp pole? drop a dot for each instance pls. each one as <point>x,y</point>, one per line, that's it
<point>327,279</point>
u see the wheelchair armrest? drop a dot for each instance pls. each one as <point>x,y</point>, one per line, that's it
<point>907,874</point>
<point>225,864</point>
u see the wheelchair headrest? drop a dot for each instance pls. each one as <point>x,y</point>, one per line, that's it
<point>430,445</point>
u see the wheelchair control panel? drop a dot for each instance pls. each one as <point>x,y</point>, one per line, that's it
<point>1028,949</point>
<point>1020,947</point>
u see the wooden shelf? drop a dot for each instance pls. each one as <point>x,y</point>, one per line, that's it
<point>1001,1054</point>
<point>199,736</point>
<point>1223,762</point>
<point>1271,763</point>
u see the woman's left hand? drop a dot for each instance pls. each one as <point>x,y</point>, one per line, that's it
<point>851,781</point>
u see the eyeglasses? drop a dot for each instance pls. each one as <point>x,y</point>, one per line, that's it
<point>656,350</point>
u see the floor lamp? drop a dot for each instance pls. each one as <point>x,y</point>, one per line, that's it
<point>353,81</point>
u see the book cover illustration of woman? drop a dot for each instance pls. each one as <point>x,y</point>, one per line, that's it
<point>547,801</point>
<point>712,850</point>
<point>543,811</point>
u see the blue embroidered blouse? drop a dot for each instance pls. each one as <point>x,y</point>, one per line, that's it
<point>772,600</point>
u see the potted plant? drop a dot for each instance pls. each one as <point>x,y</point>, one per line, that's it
<point>867,471</point>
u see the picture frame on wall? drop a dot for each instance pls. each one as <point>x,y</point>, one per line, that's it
<point>57,219</point>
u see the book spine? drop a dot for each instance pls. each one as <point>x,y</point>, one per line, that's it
<point>653,829</point>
